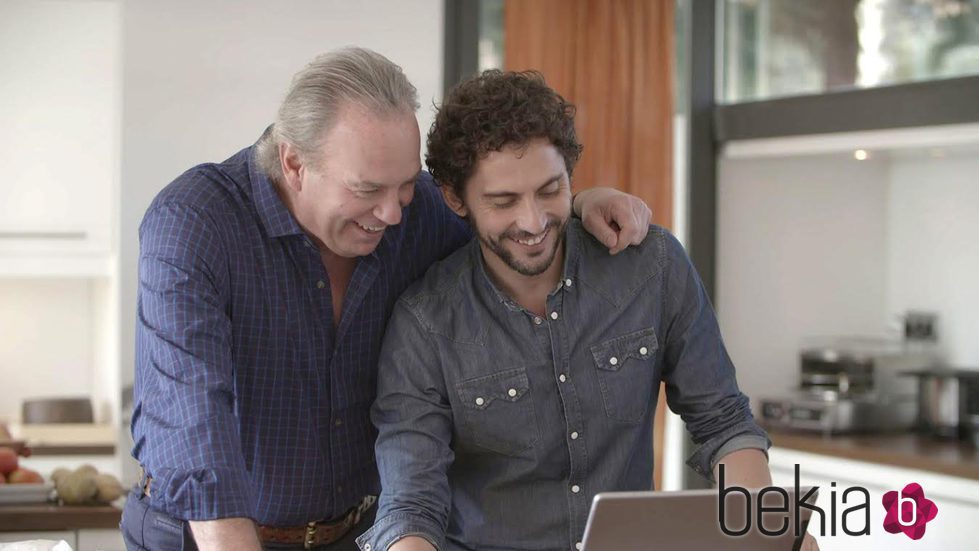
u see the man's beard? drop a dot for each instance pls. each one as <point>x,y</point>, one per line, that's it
<point>495,245</point>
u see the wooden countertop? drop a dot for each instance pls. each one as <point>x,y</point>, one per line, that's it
<point>907,450</point>
<point>28,518</point>
<point>72,449</point>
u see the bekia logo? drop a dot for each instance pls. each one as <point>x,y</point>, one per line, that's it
<point>908,511</point>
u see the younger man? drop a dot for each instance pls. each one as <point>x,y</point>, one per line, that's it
<point>519,378</point>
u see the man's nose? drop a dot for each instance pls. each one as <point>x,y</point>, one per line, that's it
<point>532,218</point>
<point>389,210</point>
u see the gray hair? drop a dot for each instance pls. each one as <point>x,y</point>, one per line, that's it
<point>346,76</point>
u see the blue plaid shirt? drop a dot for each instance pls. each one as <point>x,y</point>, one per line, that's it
<point>248,402</point>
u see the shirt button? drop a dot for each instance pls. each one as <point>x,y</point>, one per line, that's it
<point>613,360</point>
<point>480,401</point>
<point>567,283</point>
<point>367,547</point>
<point>574,435</point>
<point>643,350</point>
<point>562,378</point>
<point>538,321</point>
<point>512,393</point>
<point>553,315</point>
<point>576,546</point>
<point>320,284</point>
<point>575,489</point>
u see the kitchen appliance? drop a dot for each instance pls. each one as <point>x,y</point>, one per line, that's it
<point>947,399</point>
<point>56,410</point>
<point>851,384</point>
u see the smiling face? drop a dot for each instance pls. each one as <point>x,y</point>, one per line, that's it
<point>519,202</point>
<point>363,178</point>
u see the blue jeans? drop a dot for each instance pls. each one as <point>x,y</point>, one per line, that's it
<point>146,529</point>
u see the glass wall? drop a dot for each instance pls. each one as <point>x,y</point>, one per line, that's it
<point>773,48</point>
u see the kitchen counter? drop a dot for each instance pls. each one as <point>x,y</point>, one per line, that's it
<point>72,449</point>
<point>29,518</point>
<point>906,450</point>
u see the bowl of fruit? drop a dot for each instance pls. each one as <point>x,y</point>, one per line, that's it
<point>19,484</point>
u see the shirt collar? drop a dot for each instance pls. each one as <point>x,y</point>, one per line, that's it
<point>276,218</point>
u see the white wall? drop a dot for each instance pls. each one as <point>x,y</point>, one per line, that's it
<point>933,227</point>
<point>203,80</point>
<point>46,348</point>
<point>814,245</point>
<point>801,252</point>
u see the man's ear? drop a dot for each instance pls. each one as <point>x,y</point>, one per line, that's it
<point>453,200</point>
<point>292,166</point>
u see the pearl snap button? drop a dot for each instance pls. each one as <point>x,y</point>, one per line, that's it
<point>553,315</point>
<point>574,435</point>
<point>480,401</point>
<point>562,378</point>
<point>613,360</point>
<point>643,350</point>
<point>575,489</point>
<point>538,321</point>
<point>512,392</point>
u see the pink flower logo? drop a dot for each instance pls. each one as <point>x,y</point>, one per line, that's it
<point>908,511</point>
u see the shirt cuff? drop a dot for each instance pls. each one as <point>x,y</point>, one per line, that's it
<point>205,494</point>
<point>746,434</point>
<point>391,528</point>
<point>740,442</point>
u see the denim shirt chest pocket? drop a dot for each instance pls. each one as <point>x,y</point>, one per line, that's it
<point>498,412</point>
<point>625,368</point>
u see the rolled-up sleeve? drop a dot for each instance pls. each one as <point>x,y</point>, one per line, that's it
<point>700,378</point>
<point>183,423</point>
<point>414,422</point>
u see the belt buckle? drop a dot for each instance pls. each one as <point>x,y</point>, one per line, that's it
<point>310,535</point>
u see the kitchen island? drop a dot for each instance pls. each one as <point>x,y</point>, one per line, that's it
<point>843,465</point>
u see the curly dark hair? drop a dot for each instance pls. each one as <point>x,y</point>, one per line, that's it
<point>492,110</point>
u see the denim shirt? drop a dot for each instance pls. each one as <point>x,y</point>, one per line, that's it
<point>497,427</point>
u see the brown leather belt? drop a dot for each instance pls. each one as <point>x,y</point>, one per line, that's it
<point>315,534</point>
<point>311,535</point>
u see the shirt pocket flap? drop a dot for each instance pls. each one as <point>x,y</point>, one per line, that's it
<point>612,354</point>
<point>479,393</point>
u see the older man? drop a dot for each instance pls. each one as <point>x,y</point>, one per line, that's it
<point>265,284</point>
<point>519,377</point>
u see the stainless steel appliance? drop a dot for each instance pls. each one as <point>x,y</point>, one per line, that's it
<point>947,401</point>
<point>851,384</point>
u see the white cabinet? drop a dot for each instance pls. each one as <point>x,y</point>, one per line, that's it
<point>957,500</point>
<point>89,539</point>
<point>68,536</point>
<point>60,146</point>
<point>100,540</point>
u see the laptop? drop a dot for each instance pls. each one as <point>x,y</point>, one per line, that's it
<point>689,520</point>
